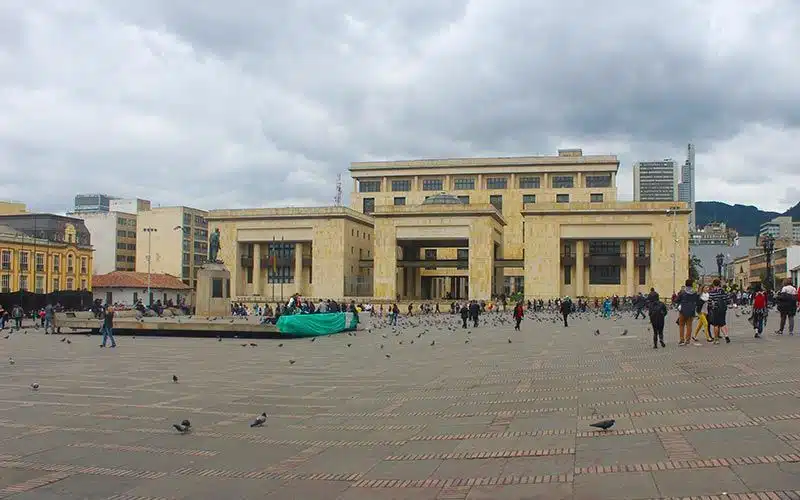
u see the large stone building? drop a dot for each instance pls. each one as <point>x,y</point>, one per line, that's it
<point>463,228</point>
<point>174,240</point>
<point>43,253</point>
<point>655,180</point>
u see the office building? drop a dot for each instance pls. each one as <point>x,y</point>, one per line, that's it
<point>128,205</point>
<point>174,240</point>
<point>462,228</point>
<point>784,228</point>
<point>686,188</point>
<point>92,203</point>
<point>113,238</point>
<point>655,181</point>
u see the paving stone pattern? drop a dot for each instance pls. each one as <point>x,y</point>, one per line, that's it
<point>426,410</point>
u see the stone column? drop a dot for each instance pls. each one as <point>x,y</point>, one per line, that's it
<point>481,259</point>
<point>629,273</point>
<point>385,260</point>
<point>256,268</point>
<point>579,269</point>
<point>299,281</point>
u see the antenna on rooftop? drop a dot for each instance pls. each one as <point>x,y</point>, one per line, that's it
<point>337,200</point>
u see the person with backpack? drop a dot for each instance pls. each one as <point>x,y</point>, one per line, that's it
<point>718,309</point>
<point>519,315</point>
<point>658,314</point>
<point>687,308</point>
<point>787,306</point>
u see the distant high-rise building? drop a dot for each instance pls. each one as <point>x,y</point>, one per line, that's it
<point>113,237</point>
<point>655,180</point>
<point>92,203</point>
<point>129,205</point>
<point>784,228</point>
<point>686,188</point>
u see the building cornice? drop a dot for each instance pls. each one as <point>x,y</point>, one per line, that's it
<point>559,162</point>
<point>607,208</point>
<point>290,213</point>
<point>471,210</point>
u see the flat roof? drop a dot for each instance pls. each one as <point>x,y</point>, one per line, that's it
<point>619,207</point>
<point>291,213</point>
<point>497,161</point>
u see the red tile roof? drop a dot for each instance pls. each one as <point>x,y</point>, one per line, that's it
<point>130,279</point>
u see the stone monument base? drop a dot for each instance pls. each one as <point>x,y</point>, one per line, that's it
<point>213,297</point>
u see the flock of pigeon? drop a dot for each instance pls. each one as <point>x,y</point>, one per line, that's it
<point>427,323</point>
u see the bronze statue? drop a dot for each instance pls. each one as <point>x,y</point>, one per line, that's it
<point>213,246</point>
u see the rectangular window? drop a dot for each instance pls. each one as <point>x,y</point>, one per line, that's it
<point>598,181</point>
<point>249,272</point>
<point>401,185</point>
<point>187,258</point>
<point>38,284</point>
<point>463,199</point>
<point>641,248</point>
<point>596,197</point>
<point>369,186</point>
<point>23,261</point>
<point>497,201</point>
<point>84,265</point>
<point>216,288</point>
<point>567,249</point>
<point>432,184</point>
<point>186,272</point>
<point>530,182</point>
<point>131,246</point>
<point>563,181</point>
<point>131,234</point>
<point>642,275</point>
<point>562,198</point>
<point>463,255</point>
<point>70,266</point>
<point>84,284</point>
<point>39,262</point>
<point>464,184</point>
<point>567,275</point>
<point>605,247</point>
<point>430,254</point>
<point>399,200</point>
<point>604,275</point>
<point>528,198</point>
<point>6,260</point>
<point>187,219</point>
<point>56,263</point>
<point>70,284</point>
<point>56,284</point>
<point>23,282</point>
<point>121,233</point>
<point>497,183</point>
<point>5,283</point>
<point>368,205</point>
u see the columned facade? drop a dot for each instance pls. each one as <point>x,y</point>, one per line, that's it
<point>601,250</point>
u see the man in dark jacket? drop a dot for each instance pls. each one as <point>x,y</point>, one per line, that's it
<point>718,310</point>
<point>474,312</point>
<point>787,306</point>
<point>658,313</point>
<point>464,315</point>
<point>687,305</point>
<point>639,303</point>
<point>566,309</point>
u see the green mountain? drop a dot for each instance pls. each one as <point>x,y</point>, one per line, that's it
<point>744,218</point>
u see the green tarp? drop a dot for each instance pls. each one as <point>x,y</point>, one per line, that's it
<point>312,325</point>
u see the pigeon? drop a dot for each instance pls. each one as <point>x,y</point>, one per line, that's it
<point>433,342</point>
<point>219,338</point>
<point>7,336</point>
<point>175,378</point>
<point>35,386</point>
<point>348,345</point>
<point>69,341</point>
<point>597,332</point>
<point>64,339</point>
<point>388,356</point>
<point>509,341</point>
<point>625,332</point>
<point>244,345</point>
<point>253,344</point>
<point>604,424</point>
<point>260,420</point>
<point>313,339</point>
<point>291,361</point>
<point>280,345</point>
<point>184,427</point>
<point>11,360</point>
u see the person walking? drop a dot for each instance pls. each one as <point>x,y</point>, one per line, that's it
<point>787,306</point>
<point>702,316</point>
<point>474,312</point>
<point>464,315</point>
<point>519,314</point>
<point>639,303</point>
<point>718,309</point>
<point>759,311</point>
<point>17,313</point>
<point>658,315</point>
<point>566,310</point>
<point>108,327</point>
<point>687,308</point>
<point>49,314</point>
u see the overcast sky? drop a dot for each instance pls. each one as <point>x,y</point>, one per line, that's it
<point>238,103</point>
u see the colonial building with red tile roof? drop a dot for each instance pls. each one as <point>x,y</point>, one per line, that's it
<point>128,287</point>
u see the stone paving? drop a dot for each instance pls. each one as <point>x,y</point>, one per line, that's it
<point>472,416</point>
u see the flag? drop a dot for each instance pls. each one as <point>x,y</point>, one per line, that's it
<point>274,263</point>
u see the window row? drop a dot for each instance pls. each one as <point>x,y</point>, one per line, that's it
<point>496,183</point>
<point>39,284</point>
<point>606,275</point>
<point>368,204</point>
<point>23,260</point>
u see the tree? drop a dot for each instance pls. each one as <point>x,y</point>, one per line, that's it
<point>694,265</point>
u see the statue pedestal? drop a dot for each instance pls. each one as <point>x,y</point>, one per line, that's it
<point>213,297</point>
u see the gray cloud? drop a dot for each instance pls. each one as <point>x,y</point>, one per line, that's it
<point>245,103</point>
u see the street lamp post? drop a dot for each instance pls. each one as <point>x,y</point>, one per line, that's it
<point>149,231</point>
<point>720,262</point>
<point>768,245</point>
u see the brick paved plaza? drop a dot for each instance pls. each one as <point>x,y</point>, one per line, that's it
<point>487,419</point>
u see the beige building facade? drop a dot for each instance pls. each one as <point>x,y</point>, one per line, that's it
<point>174,239</point>
<point>273,253</point>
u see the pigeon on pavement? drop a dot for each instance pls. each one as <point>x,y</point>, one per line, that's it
<point>184,427</point>
<point>604,424</point>
<point>260,420</point>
